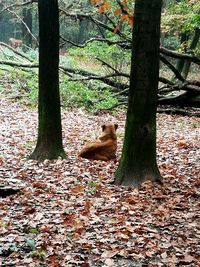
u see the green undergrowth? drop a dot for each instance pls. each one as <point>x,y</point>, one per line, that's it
<point>22,86</point>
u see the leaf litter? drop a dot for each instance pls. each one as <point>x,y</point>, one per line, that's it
<point>69,213</point>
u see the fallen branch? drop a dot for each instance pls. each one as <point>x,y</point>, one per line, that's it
<point>185,98</point>
<point>7,191</point>
<point>175,54</point>
<point>178,111</point>
<point>15,51</point>
<point>15,64</point>
<point>179,87</point>
<point>117,105</point>
<point>89,76</point>
<point>165,81</point>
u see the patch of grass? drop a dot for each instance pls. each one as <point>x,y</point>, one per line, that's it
<point>29,143</point>
<point>39,254</point>
<point>76,95</point>
<point>23,85</point>
<point>33,231</point>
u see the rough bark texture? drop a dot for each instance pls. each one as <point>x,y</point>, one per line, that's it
<point>138,161</point>
<point>49,143</point>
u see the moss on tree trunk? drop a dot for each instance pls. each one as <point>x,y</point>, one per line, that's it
<point>49,143</point>
<point>138,161</point>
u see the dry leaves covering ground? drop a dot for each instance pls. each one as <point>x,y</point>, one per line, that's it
<point>68,212</point>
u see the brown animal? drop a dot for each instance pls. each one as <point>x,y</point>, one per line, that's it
<point>103,148</point>
<point>15,42</point>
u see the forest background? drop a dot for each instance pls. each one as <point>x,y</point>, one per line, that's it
<point>141,226</point>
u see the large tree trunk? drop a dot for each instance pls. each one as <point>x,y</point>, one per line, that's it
<point>138,161</point>
<point>49,143</point>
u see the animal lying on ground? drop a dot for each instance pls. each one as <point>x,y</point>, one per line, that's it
<point>103,148</point>
<point>15,42</point>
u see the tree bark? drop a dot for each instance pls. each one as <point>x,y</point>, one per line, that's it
<point>138,161</point>
<point>180,61</point>
<point>49,143</point>
<point>187,63</point>
<point>27,18</point>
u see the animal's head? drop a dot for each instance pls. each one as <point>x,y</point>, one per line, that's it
<point>109,129</point>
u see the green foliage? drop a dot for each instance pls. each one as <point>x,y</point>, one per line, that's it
<point>24,86</point>
<point>92,50</point>
<point>3,224</point>
<point>31,244</point>
<point>92,187</point>
<point>39,254</point>
<point>171,42</point>
<point>35,253</point>
<point>119,58</point>
<point>181,16</point>
<point>76,94</point>
<point>33,231</point>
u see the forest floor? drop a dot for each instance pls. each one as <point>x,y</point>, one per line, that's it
<point>68,213</point>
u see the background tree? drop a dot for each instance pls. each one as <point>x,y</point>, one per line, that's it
<point>49,143</point>
<point>114,43</point>
<point>108,46</point>
<point>138,161</point>
<point>27,20</point>
<point>181,23</point>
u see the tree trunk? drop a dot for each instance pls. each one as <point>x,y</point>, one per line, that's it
<point>180,61</point>
<point>187,63</point>
<point>83,27</point>
<point>138,161</point>
<point>27,19</point>
<point>49,143</point>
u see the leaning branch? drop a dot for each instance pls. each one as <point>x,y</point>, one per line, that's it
<point>112,68</point>
<point>172,68</point>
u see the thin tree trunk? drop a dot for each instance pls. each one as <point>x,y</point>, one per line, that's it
<point>180,62</point>
<point>83,29</point>
<point>187,63</point>
<point>138,161</point>
<point>27,18</point>
<point>49,143</point>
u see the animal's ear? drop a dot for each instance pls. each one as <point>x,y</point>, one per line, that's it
<point>103,127</point>
<point>116,126</point>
